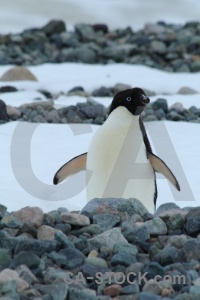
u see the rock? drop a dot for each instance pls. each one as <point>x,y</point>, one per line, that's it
<point>18,74</point>
<point>93,111</point>
<point>158,47</point>
<point>32,216</point>
<point>85,31</point>
<point>156,227</point>
<point>80,294</point>
<point>135,233</point>
<point>53,27</point>
<point>10,275</point>
<point>11,222</point>
<point>166,207</point>
<point>191,249</point>
<point>8,89</point>
<point>37,247</point>
<point>3,210</point>
<point>124,247</point>
<point>152,286</point>
<point>75,219</point>
<point>154,269</point>
<point>186,91</point>
<point>132,288</point>
<point>161,103</point>
<point>30,260</point>
<point>3,112</point>
<point>174,116</point>
<point>97,261</point>
<point>75,117</point>
<point>108,239</point>
<point>25,273</point>
<point>118,87</point>
<point>76,89</point>
<point>84,54</point>
<point>5,258</point>
<point>112,290</point>
<point>53,116</point>
<point>175,222</point>
<point>45,232</point>
<point>92,229</point>
<point>100,27</point>
<point>68,258</point>
<point>65,228</point>
<point>63,239</point>
<point>149,296</point>
<point>91,270</point>
<point>177,241</point>
<point>132,206</point>
<point>13,112</point>
<point>123,258</point>
<point>192,224</point>
<point>106,221</point>
<point>168,256</point>
<point>102,92</point>
<point>178,107</point>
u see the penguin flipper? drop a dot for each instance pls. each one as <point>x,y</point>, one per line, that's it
<point>160,166</point>
<point>73,166</point>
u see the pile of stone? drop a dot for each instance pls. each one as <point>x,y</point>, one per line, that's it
<point>112,249</point>
<point>90,111</point>
<point>171,47</point>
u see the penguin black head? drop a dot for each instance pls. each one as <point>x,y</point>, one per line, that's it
<point>134,100</point>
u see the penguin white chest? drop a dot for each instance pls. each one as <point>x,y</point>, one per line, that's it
<point>117,163</point>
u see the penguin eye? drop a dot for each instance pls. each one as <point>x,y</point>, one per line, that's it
<point>128,99</point>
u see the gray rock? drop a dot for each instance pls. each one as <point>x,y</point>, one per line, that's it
<point>53,27</point>
<point>26,274</point>
<point>174,116</point>
<point>102,92</point>
<point>97,261</point>
<point>93,204</point>
<point>165,207</point>
<point>195,290</point>
<point>11,222</point>
<point>53,116</point>
<point>168,256</point>
<point>132,288</point>
<point>152,286</point>
<point>195,66</point>
<point>149,296</point>
<point>63,239</point>
<point>3,111</point>
<point>8,89</point>
<point>115,53</point>
<point>65,228</point>
<point>92,229</point>
<point>177,241</point>
<point>161,103</point>
<point>91,270</point>
<point>186,296</point>
<point>69,258</point>
<point>123,258</point>
<point>37,247</point>
<point>8,289</point>
<point>118,87</point>
<point>53,273</point>
<point>158,47</point>
<point>85,54</point>
<point>154,269</point>
<point>132,206</point>
<point>106,221</point>
<point>80,294</point>
<point>75,219</point>
<point>156,226</point>
<point>93,111</point>
<point>76,89</point>
<point>186,91</point>
<point>58,290</point>
<point>135,233</point>
<point>85,31</point>
<point>108,238</point>
<point>191,249</point>
<point>75,117</point>
<point>175,222</point>
<point>178,107</point>
<point>192,224</point>
<point>3,210</point>
<point>127,248</point>
<point>7,241</point>
<point>151,28</point>
<point>28,259</point>
<point>5,258</point>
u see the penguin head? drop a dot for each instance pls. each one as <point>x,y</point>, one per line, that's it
<point>135,100</point>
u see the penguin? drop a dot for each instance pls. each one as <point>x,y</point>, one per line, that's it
<point>120,162</point>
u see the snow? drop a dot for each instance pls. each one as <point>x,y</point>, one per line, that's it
<point>30,154</point>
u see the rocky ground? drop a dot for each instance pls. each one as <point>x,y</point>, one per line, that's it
<point>91,111</point>
<point>170,47</point>
<point>112,249</point>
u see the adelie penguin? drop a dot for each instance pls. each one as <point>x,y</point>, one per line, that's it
<point>120,162</point>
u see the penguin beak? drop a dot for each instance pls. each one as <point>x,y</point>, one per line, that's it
<point>145,100</point>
